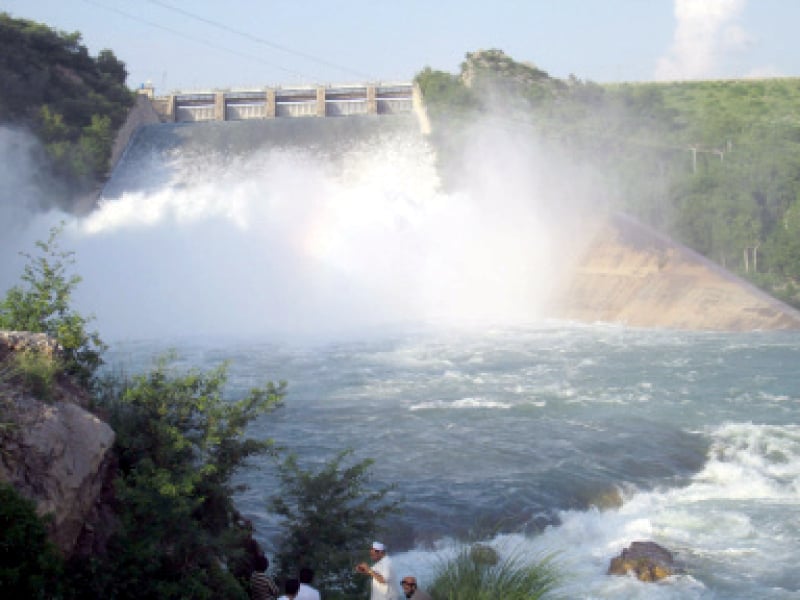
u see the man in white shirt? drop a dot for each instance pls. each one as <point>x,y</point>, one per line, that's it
<point>384,586</point>
<point>306,592</point>
<point>290,589</point>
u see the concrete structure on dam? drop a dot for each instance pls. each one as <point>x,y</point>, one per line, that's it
<point>268,103</point>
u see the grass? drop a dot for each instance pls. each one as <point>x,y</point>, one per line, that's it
<point>512,577</point>
<point>34,371</point>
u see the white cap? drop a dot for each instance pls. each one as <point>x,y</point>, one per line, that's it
<point>378,546</point>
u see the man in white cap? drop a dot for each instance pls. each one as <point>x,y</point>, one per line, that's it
<point>384,586</point>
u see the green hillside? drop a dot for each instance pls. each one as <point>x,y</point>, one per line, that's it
<point>715,164</point>
<point>73,102</point>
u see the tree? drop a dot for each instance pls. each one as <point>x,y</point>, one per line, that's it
<point>109,64</point>
<point>72,102</point>
<point>95,144</point>
<point>784,245</point>
<point>444,92</point>
<point>30,566</point>
<point>43,306</point>
<point>329,517</point>
<point>179,441</point>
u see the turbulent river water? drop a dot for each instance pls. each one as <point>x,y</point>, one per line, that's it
<point>406,321</point>
<point>556,438</point>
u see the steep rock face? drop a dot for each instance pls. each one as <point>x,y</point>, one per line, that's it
<point>56,453</point>
<point>635,276</point>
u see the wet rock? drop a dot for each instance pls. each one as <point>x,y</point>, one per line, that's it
<point>647,560</point>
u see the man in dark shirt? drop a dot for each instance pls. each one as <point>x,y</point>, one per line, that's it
<point>261,586</point>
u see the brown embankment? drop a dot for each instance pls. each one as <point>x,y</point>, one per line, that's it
<point>633,275</point>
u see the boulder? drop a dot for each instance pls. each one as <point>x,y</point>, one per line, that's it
<point>52,451</point>
<point>482,554</point>
<point>647,560</point>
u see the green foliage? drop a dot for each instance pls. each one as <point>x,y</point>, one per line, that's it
<point>96,142</point>
<point>42,305</point>
<point>34,371</point>
<point>74,103</point>
<point>467,577</point>
<point>715,164</point>
<point>329,517</point>
<point>179,441</point>
<point>783,246</point>
<point>493,73</point>
<point>30,567</point>
<point>444,93</point>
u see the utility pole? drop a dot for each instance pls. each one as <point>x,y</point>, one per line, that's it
<point>754,250</point>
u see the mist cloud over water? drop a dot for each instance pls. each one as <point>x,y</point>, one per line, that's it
<point>23,189</point>
<point>294,240</point>
<point>27,198</point>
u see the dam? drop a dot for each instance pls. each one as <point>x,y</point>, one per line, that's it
<point>488,257</point>
<point>266,103</point>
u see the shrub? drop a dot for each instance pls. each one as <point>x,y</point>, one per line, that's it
<point>179,441</point>
<point>329,516</point>
<point>30,566</point>
<point>43,306</point>
<point>512,577</point>
<point>34,371</point>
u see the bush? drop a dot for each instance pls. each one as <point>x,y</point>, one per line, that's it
<point>34,371</point>
<point>469,577</point>
<point>30,566</point>
<point>179,441</point>
<point>43,306</point>
<point>72,102</point>
<point>330,516</point>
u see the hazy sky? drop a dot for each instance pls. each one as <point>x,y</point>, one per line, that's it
<point>179,44</point>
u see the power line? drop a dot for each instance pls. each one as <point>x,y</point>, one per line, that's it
<point>260,40</point>
<point>194,39</point>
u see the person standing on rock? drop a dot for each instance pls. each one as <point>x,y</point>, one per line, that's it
<point>384,586</point>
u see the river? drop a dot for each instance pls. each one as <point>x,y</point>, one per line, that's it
<point>552,438</point>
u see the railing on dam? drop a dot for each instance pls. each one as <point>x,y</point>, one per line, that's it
<point>267,103</point>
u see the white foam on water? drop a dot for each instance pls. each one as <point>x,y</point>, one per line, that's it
<point>462,403</point>
<point>733,528</point>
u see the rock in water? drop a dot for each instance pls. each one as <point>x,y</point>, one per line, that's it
<point>648,560</point>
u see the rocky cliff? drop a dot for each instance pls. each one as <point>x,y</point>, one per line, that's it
<point>52,450</point>
<point>632,275</point>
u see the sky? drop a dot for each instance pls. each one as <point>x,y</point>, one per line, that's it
<point>234,44</point>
